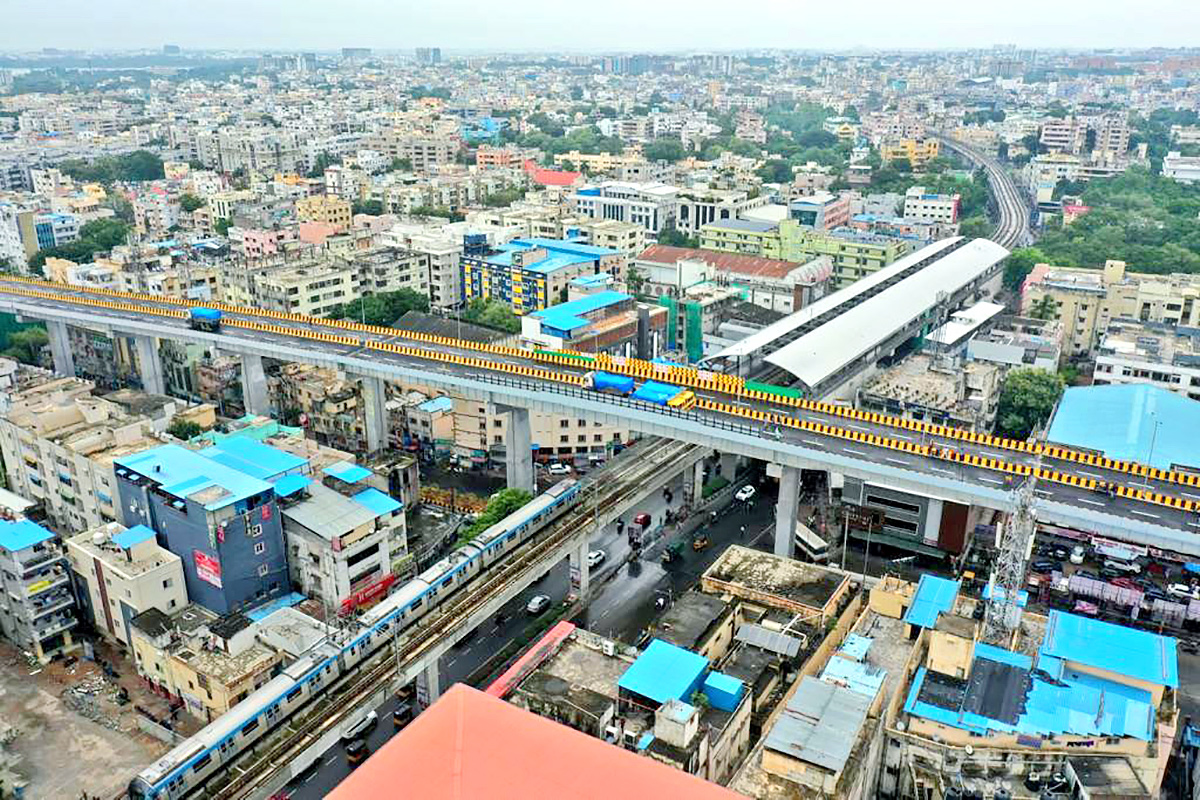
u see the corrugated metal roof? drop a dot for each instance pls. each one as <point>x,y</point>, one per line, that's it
<point>253,457</point>
<point>934,595</point>
<point>19,534</point>
<point>1124,651</point>
<point>765,639</point>
<point>819,354</point>
<point>820,724</point>
<point>328,513</point>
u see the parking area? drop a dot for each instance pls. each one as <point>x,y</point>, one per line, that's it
<point>75,732</point>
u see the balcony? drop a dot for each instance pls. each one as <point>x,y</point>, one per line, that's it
<point>39,560</point>
<point>56,601</point>
<point>44,583</point>
<point>62,623</point>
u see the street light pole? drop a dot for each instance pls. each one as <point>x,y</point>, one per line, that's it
<point>1153,438</point>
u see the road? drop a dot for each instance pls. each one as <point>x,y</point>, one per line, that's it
<point>1013,227</point>
<point>873,459</point>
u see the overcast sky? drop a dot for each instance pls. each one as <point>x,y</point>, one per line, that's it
<point>611,25</point>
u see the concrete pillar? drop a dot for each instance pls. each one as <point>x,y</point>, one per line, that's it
<point>786,508</point>
<point>150,365</point>
<point>698,481</point>
<point>579,562</point>
<point>374,397</point>
<point>518,451</point>
<point>254,385</point>
<point>429,684</point>
<point>60,348</point>
<point>728,464</point>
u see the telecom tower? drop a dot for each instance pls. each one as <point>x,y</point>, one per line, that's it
<point>1014,542</point>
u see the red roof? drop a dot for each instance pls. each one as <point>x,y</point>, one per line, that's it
<point>470,745</point>
<point>727,262</point>
<point>534,656</point>
<point>551,177</point>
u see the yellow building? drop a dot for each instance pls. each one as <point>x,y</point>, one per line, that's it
<point>324,208</point>
<point>918,152</point>
<point>600,162</point>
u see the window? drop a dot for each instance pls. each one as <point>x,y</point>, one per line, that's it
<point>263,570</point>
<point>564,423</point>
<point>255,530</point>
<point>260,548</point>
<point>168,583</point>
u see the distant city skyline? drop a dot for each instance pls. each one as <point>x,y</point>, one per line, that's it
<point>620,25</point>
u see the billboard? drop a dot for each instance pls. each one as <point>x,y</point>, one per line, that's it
<point>208,568</point>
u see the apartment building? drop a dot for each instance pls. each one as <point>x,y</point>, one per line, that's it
<point>155,211</point>
<point>1112,136</point>
<point>1086,301</point>
<point>623,237</point>
<point>37,607</point>
<point>820,211</point>
<point>599,162</point>
<point>324,208</point>
<point>18,240</point>
<point>507,157</point>
<point>531,274</point>
<point>451,192</point>
<point>59,443</point>
<point>313,289</point>
<point>918,152</point>
<point>343,536</point>
<point>926,206</point>
<point>598,322</point>
<point>329,406</point>
<point>441,250</point>
<point>266,151</point>
<point>426,147</point>
<point>695,208</point>
<point>390,269</point>
<point>1066,135</point>
<point>222,521</point>
<point>651,205</point>
<point>55,230</point>
<point>1180,168</point>
<point>1148,352</point>
<point>120,572</point>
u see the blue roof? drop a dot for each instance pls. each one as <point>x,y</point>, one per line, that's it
<point>377,501</point>
<point>345,471</point>
<point>1115,648</point>
<point>437,404</point>
<point>560,253</point>
<point>1022,595</point>
<point>934,595</point>
<point>569,315</point>
<point>1120,422</point>
<point>290,484</point>
<point>253,457</point>
<point>268,608</point>
<point>855,676</point>
<point>21,533</point>
<point>664,672</point>
<point>182,473</point>
<point>131,536</point>
<point>856,646</point>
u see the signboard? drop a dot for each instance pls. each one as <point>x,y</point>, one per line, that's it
<point>208,568</point>
<point>863,518</point>
<point>372,591</point>
<point>575,577</point>
<point>1112,547</point>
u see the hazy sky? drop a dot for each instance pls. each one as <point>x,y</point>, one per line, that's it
<point>617,25</point>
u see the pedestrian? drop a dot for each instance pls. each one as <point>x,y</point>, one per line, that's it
<point>743,531</point>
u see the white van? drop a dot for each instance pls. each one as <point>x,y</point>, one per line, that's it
<point>1132,567</point>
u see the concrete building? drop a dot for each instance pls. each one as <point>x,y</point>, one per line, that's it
<point>18,240</point>
<point>344,536</point>
<point>1180,168</point>
<point>650,205</point>
<point>37,607</point>
<point>917,152</point>
<point>599,162</point>
<point>532,274</point>
<point>442,250</point>
<point>938,390</point>
<point>600,322</point>
<point>1066,135</point>
<point>313,289</point>
<point>1018,342</point>
<point>390,269</point>
<point>1148,352</point>
<point>820,211</point>
<point>695,208</point>
<point>426,146</point>
<point>1085,301</point>
<point>222,521</point>
<point>59,443</point>
<point>324,208</point>
<point>927,207</point>
<point>121,572</point>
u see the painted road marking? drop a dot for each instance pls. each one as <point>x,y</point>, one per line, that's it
<point>1145,514</point>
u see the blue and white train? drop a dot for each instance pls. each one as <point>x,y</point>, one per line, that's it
<point>193,761</point>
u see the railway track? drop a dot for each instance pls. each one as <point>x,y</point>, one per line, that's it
<point>414,642</point>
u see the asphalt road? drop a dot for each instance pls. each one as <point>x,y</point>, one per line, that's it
<point>856,451</point>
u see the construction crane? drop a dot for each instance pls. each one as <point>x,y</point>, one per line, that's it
<point>1014,543</point>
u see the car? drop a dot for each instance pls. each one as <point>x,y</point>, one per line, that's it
<point>1077,554</point>
<point>596,557</point>
<point>642,519</point>
<point>402,715</point>
<point>357,752</point>
<point>1123,566</point>
<point>1059,553</point>
<point>1045,565</point>
<point>559,469</point>
<point>1108,573</point>
<point>1181,590</point>
<point>537,604</point>
<point>1085,573</point>
<point>744,493</point>
<point>1154,593</point>
<point>361,728</point>
<point>1124,583</point>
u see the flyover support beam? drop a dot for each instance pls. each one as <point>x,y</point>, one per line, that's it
<point>430,682</point>
<point>697,484</point>
<point>149,365</point>
<point>786,508</point>
<point>254,385</point>
<point>518,451</point>
<point>374,397</point>
<point>728,466</point>
<point>579,566</point>
<point>60,348</point>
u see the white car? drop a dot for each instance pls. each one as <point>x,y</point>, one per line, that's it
<point>537,604</point>
<point>1180,590</point>
<point>744,493</point>
<point>1077,554</point>
<point>595,557</point>
<point>559,469</point>
<point>1124,566</point>
<point>361,728</point>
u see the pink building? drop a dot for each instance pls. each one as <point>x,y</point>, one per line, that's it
<point>260,243</point>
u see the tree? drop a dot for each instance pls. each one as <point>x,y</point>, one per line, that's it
<point>1019,264</point>
<point>140,165</point>
<point>635,280</point>
<point>400,165</point>
<point>99,235</point>
<point>501,504</point>
<point>1045,308</point>
<point>775,171</point>
<point>25,345</point>
<point>189,202</point>
<point>817,138</point>
<point>371,207</point>
<point>381,309</point>
<point>504,197</point>
<point>492,314</point>
<point>184,429</point>
<point>1026,401</point>
<point>664,150</point>
<point>670,236</point>
<point>322,161</point>
<point>222,226</point>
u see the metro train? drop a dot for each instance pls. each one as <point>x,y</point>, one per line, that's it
<point>190,763</point>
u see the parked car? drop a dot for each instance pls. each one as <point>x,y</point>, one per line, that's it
<point>1124,583</point>
<point>1154,593</point>
<point>559,470</point>
<point>402,715</point>
<point>1123,566</point>
<point>1060,553</point>
<point>1108,573</point>
<point>596,557</point>
<point>361,728</point>
<point>1086,573</point>
<point>1181,590</point>
<point>1045,566</point>
<point>537,604</point>
<point>357,752</point>
<point>642,519</point>
<point>744,493</point>
<point>1077,554</point>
